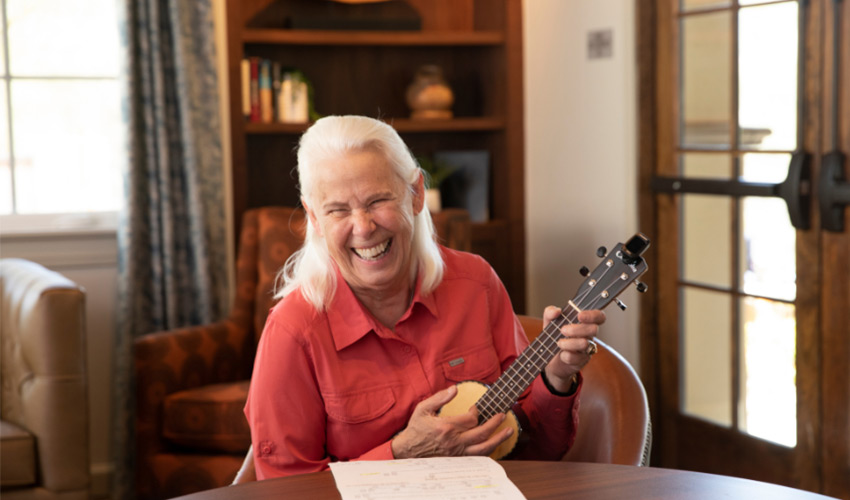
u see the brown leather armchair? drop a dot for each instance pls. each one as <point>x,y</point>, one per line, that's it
<point>614,423</point>
<point>191,383</point>
<point>44,432</point>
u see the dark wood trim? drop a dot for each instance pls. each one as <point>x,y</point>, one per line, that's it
<point>403,125</point>
<point>835,259</point>
<point>515,143</point>
<point>239,171</point>
<point>389,38</point>
<point>647,159</point>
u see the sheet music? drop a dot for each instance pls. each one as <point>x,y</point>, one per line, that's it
<point>449,478</point>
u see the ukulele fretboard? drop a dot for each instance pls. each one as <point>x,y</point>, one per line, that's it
<point>502,395</point>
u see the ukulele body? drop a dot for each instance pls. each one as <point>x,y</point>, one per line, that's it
<point>468,393</point>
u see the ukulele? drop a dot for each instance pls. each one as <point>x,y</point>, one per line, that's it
<point>618,269</point>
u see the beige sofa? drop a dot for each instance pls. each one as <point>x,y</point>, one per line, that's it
<point>44,451</point>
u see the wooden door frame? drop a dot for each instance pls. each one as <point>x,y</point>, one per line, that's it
<point>835,258</point>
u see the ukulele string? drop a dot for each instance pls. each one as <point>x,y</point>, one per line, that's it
<point>505,391</point>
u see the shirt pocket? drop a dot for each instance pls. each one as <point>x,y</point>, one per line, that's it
<point>359,407</point>
<point>481,364</point>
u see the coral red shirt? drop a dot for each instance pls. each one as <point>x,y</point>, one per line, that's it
<point>338,385</point>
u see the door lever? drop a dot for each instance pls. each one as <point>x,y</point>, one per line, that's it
<point>795,190</point>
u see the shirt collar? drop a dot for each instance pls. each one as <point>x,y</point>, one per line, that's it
<point>350,321</point>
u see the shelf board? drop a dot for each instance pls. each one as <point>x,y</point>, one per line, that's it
<point>388,38</point>
<point>402,125</point>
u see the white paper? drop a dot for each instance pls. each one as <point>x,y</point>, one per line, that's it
<point>449,478</point>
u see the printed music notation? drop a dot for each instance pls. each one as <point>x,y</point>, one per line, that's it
<point>449,478</point>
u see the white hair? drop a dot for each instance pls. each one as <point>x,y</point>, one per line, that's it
<point>332,137</point>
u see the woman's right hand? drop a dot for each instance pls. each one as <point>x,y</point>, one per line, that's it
<point>429,435</point>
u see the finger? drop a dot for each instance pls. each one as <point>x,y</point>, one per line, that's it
<point>572,361</point>
<point>576,345</point>
<point>433,403</point>
<point>594,316</point>
<point>481,432</point>
<point>580,330</point>
<point>487,446</point>
<point>549,314</point>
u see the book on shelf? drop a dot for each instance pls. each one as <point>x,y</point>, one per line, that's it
<point>271,93</point>
<point>254,86</point>
<point>265,91</point>
<point>245,73</point>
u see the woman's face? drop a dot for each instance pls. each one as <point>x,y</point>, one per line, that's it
<point>365,213</point>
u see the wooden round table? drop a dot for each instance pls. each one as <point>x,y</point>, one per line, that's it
<point>551,480</point>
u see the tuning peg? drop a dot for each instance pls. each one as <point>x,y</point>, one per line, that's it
<point>601,251</point>
<point>620,304</point>
<point>641,286</point>
<point>584,271</point>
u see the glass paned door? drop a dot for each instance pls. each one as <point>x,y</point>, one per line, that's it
<point>738,254</point>
<point>751,343</point>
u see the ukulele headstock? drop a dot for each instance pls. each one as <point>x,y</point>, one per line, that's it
<point>619,268</point>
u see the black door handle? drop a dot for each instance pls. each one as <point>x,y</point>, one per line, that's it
<point>833,192</point>
<point>795,190</point>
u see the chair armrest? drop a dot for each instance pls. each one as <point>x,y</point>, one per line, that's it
<point>171,361</point>
<point>45,370</point>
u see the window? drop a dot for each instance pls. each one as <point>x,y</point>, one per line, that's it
<point>62,140</point>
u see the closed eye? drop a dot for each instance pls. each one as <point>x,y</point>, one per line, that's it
<point>337,212</point>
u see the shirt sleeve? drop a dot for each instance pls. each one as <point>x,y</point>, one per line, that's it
<point>285,410</point>
<point>549,421</point>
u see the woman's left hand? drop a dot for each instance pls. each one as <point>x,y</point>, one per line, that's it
<point>576,346</point>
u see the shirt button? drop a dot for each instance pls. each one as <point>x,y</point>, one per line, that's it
<point>266,448</point>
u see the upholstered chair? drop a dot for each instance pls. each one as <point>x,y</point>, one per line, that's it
<point>614,424</point>
<point>44,432</point>
<point>192,383</point>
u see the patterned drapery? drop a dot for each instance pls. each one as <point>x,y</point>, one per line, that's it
<point>172,236</point>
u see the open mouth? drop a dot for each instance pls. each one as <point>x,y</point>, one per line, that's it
<point>375,252</point>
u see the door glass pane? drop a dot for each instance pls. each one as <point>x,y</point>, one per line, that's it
<point>707,235</point>
<point>58,37</point>
<point>68,152</point>
<point>767,69</point>
<point>706,80</point>
<point>2,49</point>
<point>707,165</point>
<point>703,4</point>
<point>753,2</point>
<point>768,240</point>
<point>706,358</point>
<point>5,163</point>
<point>768,406</point>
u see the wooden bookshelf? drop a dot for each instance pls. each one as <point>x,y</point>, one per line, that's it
<point>387,38</point>
<point>478,43</point>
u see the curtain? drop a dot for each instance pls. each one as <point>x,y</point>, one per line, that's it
<point>172,237</point>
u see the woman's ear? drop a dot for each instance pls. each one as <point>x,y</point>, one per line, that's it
<point>419,194</point>
<point>312,217</point>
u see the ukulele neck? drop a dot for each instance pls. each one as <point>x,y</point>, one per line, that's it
<point>505,392</point>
